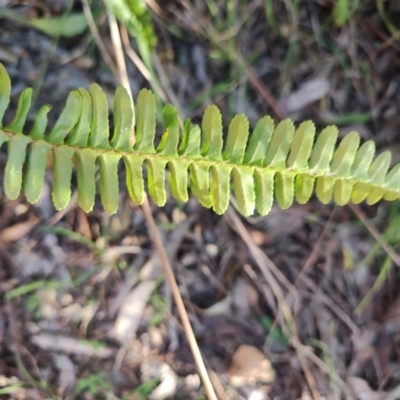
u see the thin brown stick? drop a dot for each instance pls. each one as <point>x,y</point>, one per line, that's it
<point>187,327</point>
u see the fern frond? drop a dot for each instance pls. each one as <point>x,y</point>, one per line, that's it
<point>282,162</point>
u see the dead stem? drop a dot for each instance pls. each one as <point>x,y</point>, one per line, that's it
<point>208,387</point>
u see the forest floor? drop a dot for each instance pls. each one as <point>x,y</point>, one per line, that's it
<point>85,311</point>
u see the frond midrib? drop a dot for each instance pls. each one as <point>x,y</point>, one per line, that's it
<point>309,172</point>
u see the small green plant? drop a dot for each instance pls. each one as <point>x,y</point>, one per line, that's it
<point>142,391</point>
<point>95,384</point>
<point>279,162</point>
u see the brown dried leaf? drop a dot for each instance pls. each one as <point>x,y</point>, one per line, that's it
<point>69,345</point>
<point>18,231</point>
<point>362,390</point>
<point>249,366</point>
<point>130,313</point>
<point>309,92</point>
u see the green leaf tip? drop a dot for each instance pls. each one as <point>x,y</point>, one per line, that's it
<point>268,163</point>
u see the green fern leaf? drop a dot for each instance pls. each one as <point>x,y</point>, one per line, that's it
<point>24,104</point>
<point>40,124</point>
<point>67,120</point>
<point>62,173</point>
<point>279,146</point>
<point>271,163</point>
<point>108,168</point>
<point>220,187</point>
<point>36,169</point>
<point>264,188</point>
<point>200,181</point>
<point>5,91</point>
<point>259,141</point>
<point>134,176</point>
<point>190,143</point>
<point>16,158</point>
<point>301,147</point>
<point>156,180</point>
<point>100,131</point>
<point>123,121</point>
<point>146,122</point>
<point>169,141</point>
<point>79,134</point>
<point>85,163</point>
<point>212,133</point>
<point>236,142</point>
<point>243,184</point>
<point>178,181</point>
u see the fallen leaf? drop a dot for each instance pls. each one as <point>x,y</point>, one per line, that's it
<point>69,345</point>
<point>168,383</point>
<point>66,369</point>
<point>249,366</point>
<point>18,231</point>
<point>307,93</point>
<point>362,390</point>
<point>131,310</point>
<point>66,26</point>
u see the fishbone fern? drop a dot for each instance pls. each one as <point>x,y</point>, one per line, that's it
<point>282,160</point>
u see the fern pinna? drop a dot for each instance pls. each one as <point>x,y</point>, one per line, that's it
<point>279,160</point>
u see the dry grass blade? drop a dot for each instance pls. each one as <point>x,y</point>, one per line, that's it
<point>375,233</point>
<point>263,91</point>
<point>119,54</point>
<point>97,38</point>
<point>267,267</point>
